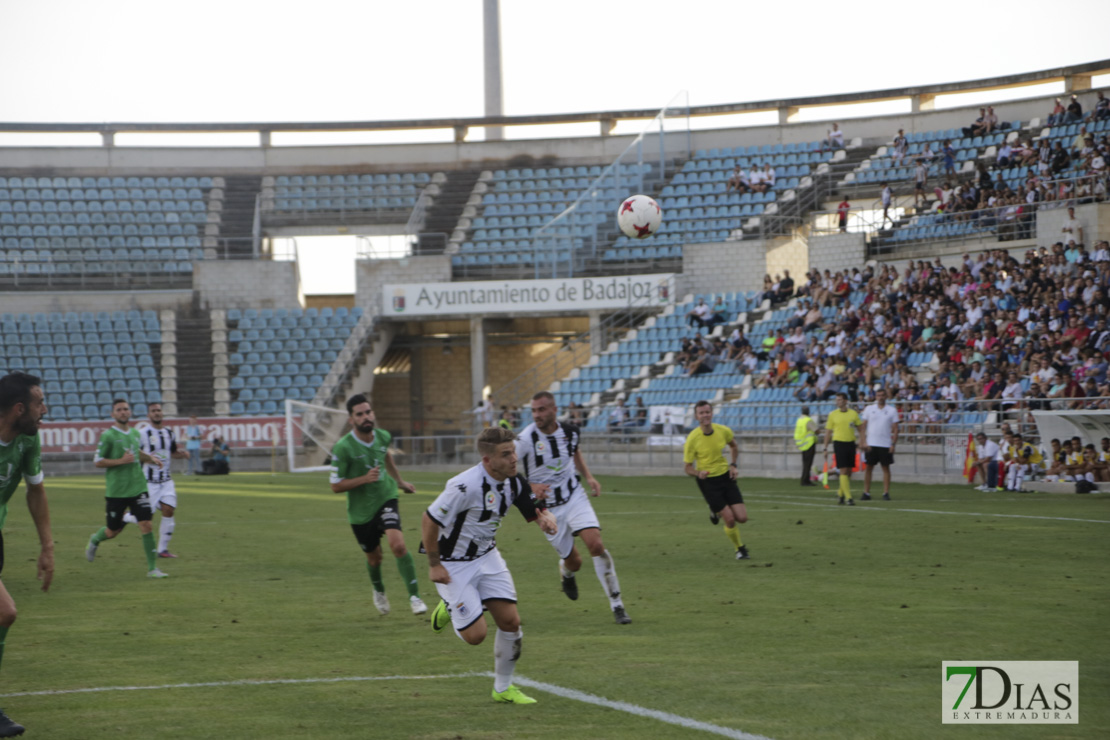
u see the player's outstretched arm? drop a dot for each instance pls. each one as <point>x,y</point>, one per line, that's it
<point>40,513</point>
<point>580,466</point>
<point>429,531</point>
<point>391,468</point>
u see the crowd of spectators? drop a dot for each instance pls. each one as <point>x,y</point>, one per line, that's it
<point>1007,335</point>
<point>1075,171</point>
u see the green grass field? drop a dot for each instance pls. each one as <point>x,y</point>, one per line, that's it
<point>835,629</point>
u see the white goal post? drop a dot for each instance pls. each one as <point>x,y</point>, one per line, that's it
<point>310,434</point>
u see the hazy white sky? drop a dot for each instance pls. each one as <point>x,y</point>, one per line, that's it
<point>242,60</point>
<point>348,60</point>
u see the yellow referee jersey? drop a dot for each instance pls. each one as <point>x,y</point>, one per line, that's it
<point>708,450</point>
<point>841,423</point>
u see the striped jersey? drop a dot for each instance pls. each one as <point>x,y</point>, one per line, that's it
<point>158,443</point>
<point>470,510</point>
<point>549,459</point>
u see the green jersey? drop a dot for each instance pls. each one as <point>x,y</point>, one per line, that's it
<point>20,458</point>
<point>352,458</point>
<point>122,481</point>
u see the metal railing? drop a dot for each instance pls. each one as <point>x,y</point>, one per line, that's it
<point>348,358</point>
<point>575,351</point>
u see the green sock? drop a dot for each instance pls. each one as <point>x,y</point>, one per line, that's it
<point>148,548</point>
<point>99,536</point>
<point>3,639</point>
<point>376,577</point>
<point>407,567</point>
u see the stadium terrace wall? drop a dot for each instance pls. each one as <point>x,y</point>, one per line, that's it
<point>263,160</point>
<point>247,284</point>
<point>108,300</point>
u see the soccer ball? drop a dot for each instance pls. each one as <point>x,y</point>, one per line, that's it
<point>639,216</point>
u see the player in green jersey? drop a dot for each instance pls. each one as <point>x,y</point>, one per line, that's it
<point>22,407</point>
<point>125,485</point>
<point>372,510</point>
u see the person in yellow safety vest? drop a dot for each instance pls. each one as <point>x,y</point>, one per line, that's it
<point>805,436</point>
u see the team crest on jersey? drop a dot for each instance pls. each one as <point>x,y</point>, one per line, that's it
<point>490,498</point>
<point>541,446</point>
<point>461,608</point>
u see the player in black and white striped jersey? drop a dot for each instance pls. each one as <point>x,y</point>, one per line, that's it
<point>459,533</point>
<point>549,453</point>
<point>158,441</point>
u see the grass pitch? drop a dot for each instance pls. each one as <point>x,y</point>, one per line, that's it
<point>835,629</point>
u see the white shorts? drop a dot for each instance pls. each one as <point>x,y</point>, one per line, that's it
<point>573,516</point>
<point>162,493</point>
<point>472,582</point>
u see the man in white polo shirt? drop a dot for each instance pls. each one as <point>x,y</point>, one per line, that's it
<point>880,432</point>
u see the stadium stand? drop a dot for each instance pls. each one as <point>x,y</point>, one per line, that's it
<point>279,354</point>
<point>394,191</point>
<point>87,358</point>
<point>70,228</point>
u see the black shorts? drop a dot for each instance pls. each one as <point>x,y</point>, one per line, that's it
<point>369,534</point>
<point>845,453</point>
<point>879,456</point>
<point>720,491</point>
<point>115,508</point>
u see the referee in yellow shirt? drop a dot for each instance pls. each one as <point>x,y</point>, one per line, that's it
<point>704,455</point>
<point>842,427</point>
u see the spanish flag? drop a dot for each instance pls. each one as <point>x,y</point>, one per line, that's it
<point>969,459</point>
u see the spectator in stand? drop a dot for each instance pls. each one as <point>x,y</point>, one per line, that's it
<point>1058,113</point>
<point>738,181</point>
<point>1005,156</point>
<point>703,362</point>
<point>699,315</point>
<point>718,312</point>
<point>641,415</point>
<point>886,196</point>
<point>755,179</point>
<point>768,177</point>
<point>990,122</point>
<point>920,182</point>
<point>836,137</point>
<point>842,211</point>
<point>898,150</point>
<point>978,127</point>
<point>1072,229</point>
<point>1060,160</point>
<point>948,152</point>
<point>1101,110</point>
<point>785,289</point>
<point>618,417</point>
<point>1075,111</point>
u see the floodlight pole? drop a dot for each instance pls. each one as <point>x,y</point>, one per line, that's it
<point>491,39</point>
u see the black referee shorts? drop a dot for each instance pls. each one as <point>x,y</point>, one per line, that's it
<point>845,453</point>
<point>879,456</point>
<point>720,491</point>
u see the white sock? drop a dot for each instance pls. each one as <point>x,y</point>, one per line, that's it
<point>1090,477</point>
<point>563,569</point>
<point>607,574</point>
<point>1019,477</point>
<point>506,650</point>
<point>165,531</point>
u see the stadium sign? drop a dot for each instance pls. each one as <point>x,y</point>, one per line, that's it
<point>237,431</point>
<point>527,296</point>
<point>1010,692</point>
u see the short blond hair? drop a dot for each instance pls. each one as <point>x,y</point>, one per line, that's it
<point>493,437</point>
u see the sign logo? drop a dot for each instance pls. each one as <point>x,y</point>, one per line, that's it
<point>491,499</point>
<point>399,301</point>
<point>1010,692</point>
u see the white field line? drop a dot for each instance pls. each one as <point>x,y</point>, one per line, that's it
<point>880,507</point>
<point>572,694</point>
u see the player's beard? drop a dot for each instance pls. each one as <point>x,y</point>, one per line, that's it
<point>366,427</point>
<point>27,424</point>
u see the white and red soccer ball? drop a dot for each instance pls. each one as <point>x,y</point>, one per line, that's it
<point>639,216</point>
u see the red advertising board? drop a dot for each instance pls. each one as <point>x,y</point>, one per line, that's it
<point>238,431</point>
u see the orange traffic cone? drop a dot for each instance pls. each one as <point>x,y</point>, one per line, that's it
<point>825,475</point>
<point>859,464</point>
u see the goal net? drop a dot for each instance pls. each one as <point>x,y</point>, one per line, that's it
<point>310,434</point>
